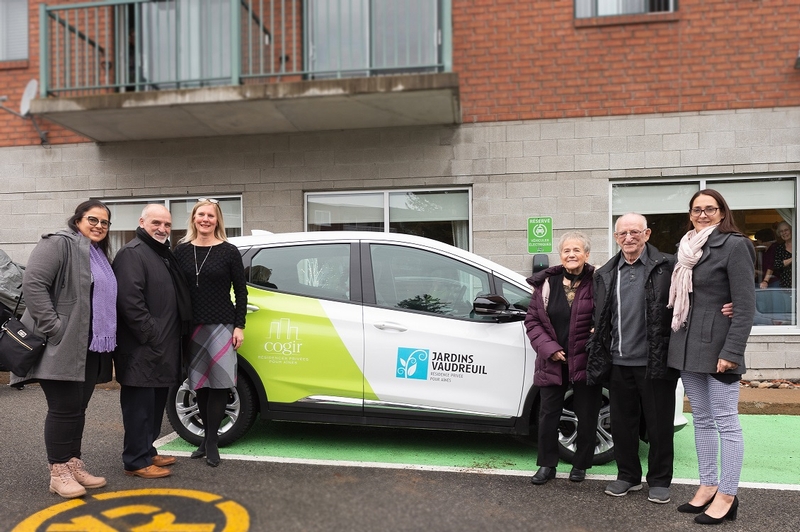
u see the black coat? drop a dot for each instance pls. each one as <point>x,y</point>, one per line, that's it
<point>658,317</point>
<point>149,331</point>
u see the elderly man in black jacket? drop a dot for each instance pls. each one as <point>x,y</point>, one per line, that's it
<point>629,349</point>
<point>154,308</point>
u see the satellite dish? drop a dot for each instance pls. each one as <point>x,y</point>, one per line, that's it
<point>30,93</point>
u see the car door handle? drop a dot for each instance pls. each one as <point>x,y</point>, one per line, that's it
<point>390,326</point>
<point>252,308</point>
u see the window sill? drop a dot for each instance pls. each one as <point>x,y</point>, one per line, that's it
<point>17,63</point>
<point>619,20</point>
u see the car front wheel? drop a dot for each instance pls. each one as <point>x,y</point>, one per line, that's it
<point>240,413</point>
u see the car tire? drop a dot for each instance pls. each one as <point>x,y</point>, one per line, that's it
<point>240,413</point>
<point>567,432</point>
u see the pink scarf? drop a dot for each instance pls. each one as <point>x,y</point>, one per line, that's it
<point>689,252</point>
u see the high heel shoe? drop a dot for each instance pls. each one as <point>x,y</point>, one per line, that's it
<point>688,508</point>
<point>705,519</point>
<point>212,455</point>
<point>200,452</point>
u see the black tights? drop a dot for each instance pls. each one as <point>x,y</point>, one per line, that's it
<point>212,402</point>
<point>66,412</point>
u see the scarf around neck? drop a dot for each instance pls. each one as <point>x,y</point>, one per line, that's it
<point>104,302</point>
<point>182,296</point>
<point>689,252</point>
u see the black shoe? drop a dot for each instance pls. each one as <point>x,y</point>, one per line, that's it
<point>705,519</point>
<point>212,454</point>
<point>577,475</point>
<point>687,508</point>
<point>543,475</point>
<point>200,452</point>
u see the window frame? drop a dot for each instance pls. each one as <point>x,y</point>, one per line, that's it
<point>593,6</point>
<point>708,182</point>
<point>5,24</point>
<point>386,204</point>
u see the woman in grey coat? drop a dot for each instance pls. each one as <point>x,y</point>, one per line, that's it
<point>70,292</point>
<point>715,265</point>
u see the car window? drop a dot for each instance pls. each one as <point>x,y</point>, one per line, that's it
<point>316,270</point>
<point>518,297</point>
<point>413,279</point>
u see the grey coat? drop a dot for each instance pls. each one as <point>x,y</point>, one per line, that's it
<point>724,273</point>
<point>66,323</point>
<point>149,330</point>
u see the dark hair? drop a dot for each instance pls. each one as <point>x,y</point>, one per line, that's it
<point>80,212</point>
<point>726,225</point>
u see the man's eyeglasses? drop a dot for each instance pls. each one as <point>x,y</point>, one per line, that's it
<point>105,224</point>
<point>210,200</point>
<point>710,211</point>
<point>634,233</point>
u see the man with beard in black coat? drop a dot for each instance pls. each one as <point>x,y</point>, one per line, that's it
<point>154,308</point>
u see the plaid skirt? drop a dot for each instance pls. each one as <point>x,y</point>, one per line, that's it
<point>212,357</point>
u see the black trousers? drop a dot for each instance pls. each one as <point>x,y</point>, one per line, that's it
<point>66,412</point>
<point>586,403</point>
<point>633,395</point>
<point>142,414</point>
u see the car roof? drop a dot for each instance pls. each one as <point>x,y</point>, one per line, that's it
<point>262,238</point>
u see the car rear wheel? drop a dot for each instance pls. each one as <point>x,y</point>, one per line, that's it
<point>567,432</point>
<point>240,413</point>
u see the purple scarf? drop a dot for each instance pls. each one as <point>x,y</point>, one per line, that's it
<point>104,303</point>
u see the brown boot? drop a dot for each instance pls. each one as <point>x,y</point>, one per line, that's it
<point>63,483</point>
<point>84,478</point>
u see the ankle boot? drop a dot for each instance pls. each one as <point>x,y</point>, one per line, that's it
<point>83,477</point>
<point>201,450</point>
<point>63,483</point>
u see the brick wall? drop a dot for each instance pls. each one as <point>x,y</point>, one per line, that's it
<point>538,62</point>
<point>533,60</point>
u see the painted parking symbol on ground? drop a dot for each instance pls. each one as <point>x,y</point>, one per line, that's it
<point>144,510</point>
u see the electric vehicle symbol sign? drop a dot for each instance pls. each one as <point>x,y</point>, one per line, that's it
<point>540,235</point>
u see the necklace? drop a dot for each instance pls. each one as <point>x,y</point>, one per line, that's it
<point>574,280</point>
<point>196,269</point>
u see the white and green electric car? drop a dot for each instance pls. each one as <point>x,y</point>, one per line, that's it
<point>383,329</point>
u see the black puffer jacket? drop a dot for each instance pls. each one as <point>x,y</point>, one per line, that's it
<point>658,317</point>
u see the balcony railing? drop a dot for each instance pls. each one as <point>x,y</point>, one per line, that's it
<point>148,45</point>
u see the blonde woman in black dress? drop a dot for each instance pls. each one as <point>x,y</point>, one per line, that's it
<point>212,265</point>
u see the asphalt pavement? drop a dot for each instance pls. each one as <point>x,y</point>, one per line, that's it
<point>244,494</point>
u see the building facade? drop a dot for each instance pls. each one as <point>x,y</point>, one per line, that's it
<point>575,110</point>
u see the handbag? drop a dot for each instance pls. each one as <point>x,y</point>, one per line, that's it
<point>20,349</point>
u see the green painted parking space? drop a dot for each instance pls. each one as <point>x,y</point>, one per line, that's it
<point>771,452</point>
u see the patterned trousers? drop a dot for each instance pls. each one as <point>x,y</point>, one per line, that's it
<point>717,432</point>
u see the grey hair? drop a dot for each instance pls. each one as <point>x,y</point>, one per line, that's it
<point>575,235</point>
<point>636,214</point>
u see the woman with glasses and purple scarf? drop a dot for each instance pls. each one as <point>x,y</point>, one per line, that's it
<point>71,292</point>
<point>212,265</point>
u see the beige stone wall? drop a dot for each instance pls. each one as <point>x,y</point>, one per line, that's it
<point>559,168</point>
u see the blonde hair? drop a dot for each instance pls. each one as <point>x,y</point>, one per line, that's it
<point>191,230</point>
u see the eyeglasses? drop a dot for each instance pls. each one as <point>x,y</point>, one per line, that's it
<point>210,200</point>
<point>710,211</point>
<point>634,233</point>
<point>105,224</point>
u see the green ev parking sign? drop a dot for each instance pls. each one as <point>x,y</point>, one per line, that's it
<point>540,235</point>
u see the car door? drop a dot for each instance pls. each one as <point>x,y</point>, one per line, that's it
<point>304,328</point>
<point>424,348</point>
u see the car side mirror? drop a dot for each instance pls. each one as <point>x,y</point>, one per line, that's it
<point>497,307</point>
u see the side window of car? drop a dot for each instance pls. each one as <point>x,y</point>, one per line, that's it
<point>413,279</point>
<point>515,295</point>
<point>315,270</point>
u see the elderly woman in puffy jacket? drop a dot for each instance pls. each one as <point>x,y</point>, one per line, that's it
<point>559,321</point>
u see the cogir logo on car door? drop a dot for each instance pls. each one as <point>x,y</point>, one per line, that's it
<point>412,363</point>
<point>283,343</point>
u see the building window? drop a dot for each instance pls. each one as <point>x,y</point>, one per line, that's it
<point>13,30</point>
<point>125,216</point>
<point>442,215</point>
<point>763,209</point>
<point>604,8</point>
